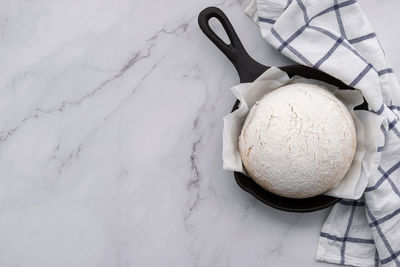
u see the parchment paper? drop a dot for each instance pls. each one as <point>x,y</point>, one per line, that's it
<point>367,127</point>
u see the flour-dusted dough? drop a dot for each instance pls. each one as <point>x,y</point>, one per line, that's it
<point>298,141</point>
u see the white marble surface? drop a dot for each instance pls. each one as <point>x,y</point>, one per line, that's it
<point>110,138</point>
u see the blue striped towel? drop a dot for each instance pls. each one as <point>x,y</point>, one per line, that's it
<point>336,37</point>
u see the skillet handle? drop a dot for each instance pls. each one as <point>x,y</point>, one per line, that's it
<point>247,68</point>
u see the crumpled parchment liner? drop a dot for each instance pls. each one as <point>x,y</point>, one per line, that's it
<point>367,126</point>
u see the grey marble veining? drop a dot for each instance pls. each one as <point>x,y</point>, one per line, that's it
<point>110,139</point>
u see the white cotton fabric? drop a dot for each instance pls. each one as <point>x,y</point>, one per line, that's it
<point>336,37</point>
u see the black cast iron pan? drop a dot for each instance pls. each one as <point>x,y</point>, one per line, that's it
<point>249,70</point>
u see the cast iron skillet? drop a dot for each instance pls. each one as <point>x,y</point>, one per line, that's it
<point>248,70</point>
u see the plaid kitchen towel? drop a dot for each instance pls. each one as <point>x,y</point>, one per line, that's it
<point>335,37</point>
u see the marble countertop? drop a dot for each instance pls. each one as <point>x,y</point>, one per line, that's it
<point>110,138</point>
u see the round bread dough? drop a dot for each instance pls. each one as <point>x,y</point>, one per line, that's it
<point>298,141</point>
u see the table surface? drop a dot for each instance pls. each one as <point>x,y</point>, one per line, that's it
<point>110,138</point>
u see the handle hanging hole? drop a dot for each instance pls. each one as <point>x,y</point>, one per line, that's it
<point>219,30</point>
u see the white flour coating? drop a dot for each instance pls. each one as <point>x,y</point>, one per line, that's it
<point>298,141</point>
